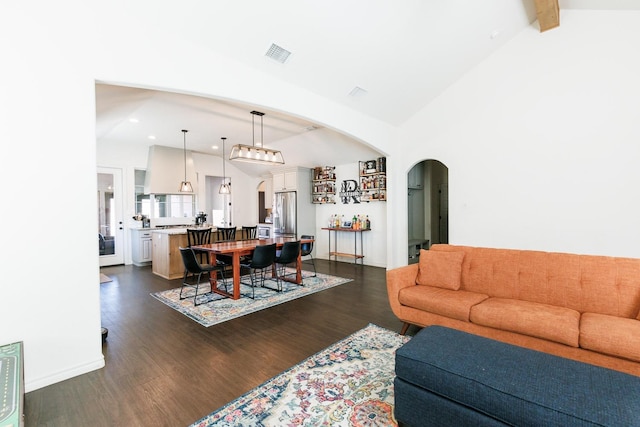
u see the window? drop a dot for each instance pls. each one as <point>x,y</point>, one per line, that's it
<point>143,202</point>
<point>164,205</point>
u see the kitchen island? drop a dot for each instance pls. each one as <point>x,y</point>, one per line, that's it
<point>166,258</point>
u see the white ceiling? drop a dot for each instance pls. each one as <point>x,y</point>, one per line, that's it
<point>403,53</point>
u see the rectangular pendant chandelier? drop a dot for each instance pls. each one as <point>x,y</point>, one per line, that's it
<point>253,153</point>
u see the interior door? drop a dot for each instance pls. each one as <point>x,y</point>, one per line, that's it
<point>110,217</point>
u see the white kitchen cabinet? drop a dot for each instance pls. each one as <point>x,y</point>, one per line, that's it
<point>141,247</point>
<point>268,193</point>
<point>285,181</point>
<point>415,177</point>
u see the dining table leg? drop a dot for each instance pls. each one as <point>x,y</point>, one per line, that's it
<point>236,275</point>
<point>299,269</point>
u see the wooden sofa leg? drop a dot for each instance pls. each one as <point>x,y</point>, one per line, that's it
<point>405,326</point>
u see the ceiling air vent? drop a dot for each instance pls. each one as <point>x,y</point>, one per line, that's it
<point>278,53</point>
<point>357,92</point>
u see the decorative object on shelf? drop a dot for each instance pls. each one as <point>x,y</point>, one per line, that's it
<point>252,153</point>
<point>373,180</point>
<point>224,187</point>
<point>185,186</point>
<point>324,184</point>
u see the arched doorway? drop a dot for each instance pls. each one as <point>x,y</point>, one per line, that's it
<point>428,206</point>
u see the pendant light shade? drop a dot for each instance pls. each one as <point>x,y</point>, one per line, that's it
<point>225,188</point>
<point>185,186</point>
<point>253,153</point>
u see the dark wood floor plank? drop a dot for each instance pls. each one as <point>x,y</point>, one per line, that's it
<point>164,369</point>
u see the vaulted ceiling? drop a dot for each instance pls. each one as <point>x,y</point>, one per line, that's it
<point>386,59</point>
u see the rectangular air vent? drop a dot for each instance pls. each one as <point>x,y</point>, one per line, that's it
<point>278,53</point>
<point>357,92</point>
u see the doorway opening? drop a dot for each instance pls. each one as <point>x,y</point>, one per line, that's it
<point>217,206</point>
<point>428,206</point>
<point>110,227</point>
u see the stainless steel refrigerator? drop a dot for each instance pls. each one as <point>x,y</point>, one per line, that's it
<point>285,214</point>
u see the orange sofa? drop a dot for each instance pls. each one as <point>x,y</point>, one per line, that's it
<point>581,307</point>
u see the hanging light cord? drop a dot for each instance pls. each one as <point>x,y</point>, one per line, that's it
<point>184,133</point>
<point>224,172</point>
<point>261,133</point>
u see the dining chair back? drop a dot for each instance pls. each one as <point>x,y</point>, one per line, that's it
<point>260,262</point>
<point>288,254</point>
<point>224,234</point>
<point>306,250</point>
<point>199,236</point>
<point>249,233</point>
<point>195,269</point>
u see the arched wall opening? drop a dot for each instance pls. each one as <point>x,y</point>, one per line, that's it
<point>427,206</point>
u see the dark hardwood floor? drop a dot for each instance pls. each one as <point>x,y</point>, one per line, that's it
<point>164,369</point>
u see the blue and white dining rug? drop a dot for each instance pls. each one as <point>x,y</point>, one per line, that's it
<point>214,308</point>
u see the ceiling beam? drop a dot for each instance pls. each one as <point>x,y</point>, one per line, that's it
<point>548,13</point>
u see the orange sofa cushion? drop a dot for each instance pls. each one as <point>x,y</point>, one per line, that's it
<point>445,302</point>
<point>545,321</point>
<point>612,335</point>
<point>440,269</point>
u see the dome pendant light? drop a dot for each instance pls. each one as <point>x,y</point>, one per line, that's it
<point>185,186</point>
<point>224,187</point>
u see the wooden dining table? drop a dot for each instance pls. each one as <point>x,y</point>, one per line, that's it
<point>239,248</point>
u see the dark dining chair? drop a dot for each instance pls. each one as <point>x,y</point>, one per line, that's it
<point>288,255</point>
<point>249,233</point>
<point>225,234</point>
<point>306,249</point>
<point>195,269</point>
<point>261,261</point>
<point>199,236</point>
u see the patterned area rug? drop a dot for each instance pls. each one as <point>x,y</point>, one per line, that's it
<point>347,384</point>
<point>217,309</point>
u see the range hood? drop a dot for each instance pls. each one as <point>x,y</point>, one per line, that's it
<point>165,171</point>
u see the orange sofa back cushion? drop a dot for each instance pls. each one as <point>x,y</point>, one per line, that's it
<point>585,283</point>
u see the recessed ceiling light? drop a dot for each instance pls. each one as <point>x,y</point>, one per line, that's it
<point>133,120</point>
<point>152,137</point>
<point>278,53</point>
<point>214,147</point>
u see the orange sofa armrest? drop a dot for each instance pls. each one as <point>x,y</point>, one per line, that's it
<point>399,278</point>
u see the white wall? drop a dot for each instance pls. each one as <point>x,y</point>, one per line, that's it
<point>541,142</point>
<point>51,301</point>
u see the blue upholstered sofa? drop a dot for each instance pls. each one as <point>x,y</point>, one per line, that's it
<point>446,377</point>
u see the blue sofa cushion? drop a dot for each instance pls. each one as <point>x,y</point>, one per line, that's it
<point>516,385</point>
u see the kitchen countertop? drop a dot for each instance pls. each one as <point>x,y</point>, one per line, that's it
<point>169,230</point>
<point>178,230</point>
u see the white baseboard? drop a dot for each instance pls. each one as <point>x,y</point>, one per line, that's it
<point>37,383</point>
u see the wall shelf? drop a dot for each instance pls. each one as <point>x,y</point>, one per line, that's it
<point>323,185</point>
<point>373,180</point>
